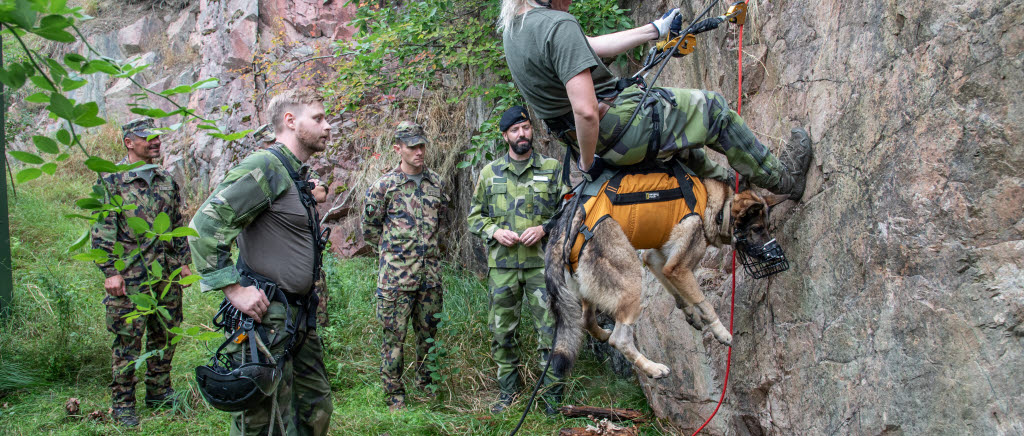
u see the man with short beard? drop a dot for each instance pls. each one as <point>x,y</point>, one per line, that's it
<point>515,196</point>
<point>274,219</point>
<point>153,192</point>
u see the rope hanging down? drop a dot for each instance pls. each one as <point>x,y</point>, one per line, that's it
<point>732,300</point>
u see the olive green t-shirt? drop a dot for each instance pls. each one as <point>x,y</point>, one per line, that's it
<point>545,48</point>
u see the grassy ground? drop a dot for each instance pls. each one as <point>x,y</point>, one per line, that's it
<point>55,346</point>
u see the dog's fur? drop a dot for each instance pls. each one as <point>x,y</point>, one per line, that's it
<point>609,275</point>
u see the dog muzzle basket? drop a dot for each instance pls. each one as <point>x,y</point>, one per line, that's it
<point>761,261</point>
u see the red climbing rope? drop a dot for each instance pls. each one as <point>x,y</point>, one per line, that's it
<point>732,302</point>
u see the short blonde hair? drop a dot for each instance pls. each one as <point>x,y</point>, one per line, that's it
<point>289,101</point>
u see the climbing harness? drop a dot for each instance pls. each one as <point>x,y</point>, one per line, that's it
<point>646,203</point>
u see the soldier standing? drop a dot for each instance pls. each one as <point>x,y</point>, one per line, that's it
<point>515,196</point>
<point>401,220</point>
<point>273,218</point>
<point>152,191</point>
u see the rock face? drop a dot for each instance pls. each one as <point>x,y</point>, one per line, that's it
<point>903,310</point>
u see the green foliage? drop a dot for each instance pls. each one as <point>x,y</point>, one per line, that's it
<point>420,43</point>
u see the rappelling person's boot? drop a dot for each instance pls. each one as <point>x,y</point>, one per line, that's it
<point>795,159</point>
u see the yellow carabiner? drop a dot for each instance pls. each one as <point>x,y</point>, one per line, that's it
<point>737,13</point>
<point>686,47</point>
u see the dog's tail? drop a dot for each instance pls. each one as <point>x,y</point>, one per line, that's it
<point>565,302</point>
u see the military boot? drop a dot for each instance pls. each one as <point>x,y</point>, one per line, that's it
<point>503,402</point>
<point>552,397</point>
<point>795,159</point>
<point>167,400</point>
<point>125,416</point>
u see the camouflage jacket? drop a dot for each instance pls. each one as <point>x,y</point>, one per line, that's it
<point>152,192</point>
<point>505,199</point>
<point>247,191</point>
<point>401,219</point>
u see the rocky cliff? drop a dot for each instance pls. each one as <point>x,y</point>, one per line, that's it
<point>902,313</point>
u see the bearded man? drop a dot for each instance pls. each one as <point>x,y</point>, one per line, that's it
<point>267,204</point>
<point>516,195</point>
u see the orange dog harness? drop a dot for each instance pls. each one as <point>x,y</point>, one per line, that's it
<point>647,205</point>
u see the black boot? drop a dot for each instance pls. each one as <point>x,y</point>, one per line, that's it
<point>125,416</point>
<point>505,400</point>
<point>168,400</point>
<point>795,159</point>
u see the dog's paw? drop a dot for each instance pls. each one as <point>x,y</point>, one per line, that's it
<point>720,333</point>
<point>656,370</point>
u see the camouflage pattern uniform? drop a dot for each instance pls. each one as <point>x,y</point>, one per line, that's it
<point>248,190</point>
<point>401,220</point>
<point>690,120</point>
<point>515,199</point>
<point>153,191</point>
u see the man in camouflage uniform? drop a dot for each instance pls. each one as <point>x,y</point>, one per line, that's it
<point>259,204</point>
<point>154,192</point>
<point>401,220</point>
<point>515,196</point>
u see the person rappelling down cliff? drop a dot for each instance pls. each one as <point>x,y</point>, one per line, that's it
<point>559,71</point>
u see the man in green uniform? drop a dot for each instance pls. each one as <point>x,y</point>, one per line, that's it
<point>401,220</point>
<point>153,192</point>
<point>515,196</point>
<point>260,205</point>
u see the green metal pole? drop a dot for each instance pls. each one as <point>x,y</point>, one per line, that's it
<point>6,273</point>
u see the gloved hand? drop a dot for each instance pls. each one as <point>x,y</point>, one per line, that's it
<point>594,171</point>
<point>670,23</point>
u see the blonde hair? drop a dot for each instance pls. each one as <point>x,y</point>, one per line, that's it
<point>289,101</point>
<point>511,8</point>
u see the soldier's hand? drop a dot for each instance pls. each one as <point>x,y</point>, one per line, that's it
<point>319,192</point>
<point>114,285</point>
<point>250,300</point>
<point>507,238</point>
<point>532,235</point>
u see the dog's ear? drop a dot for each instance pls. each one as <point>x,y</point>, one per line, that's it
<point>773,199</point>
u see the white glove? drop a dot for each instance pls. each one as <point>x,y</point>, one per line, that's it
<point>664,23</point>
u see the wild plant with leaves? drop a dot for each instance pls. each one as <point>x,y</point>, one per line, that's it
<point>50,80</point>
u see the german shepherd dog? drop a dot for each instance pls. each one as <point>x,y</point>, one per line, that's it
<point>609,275</point>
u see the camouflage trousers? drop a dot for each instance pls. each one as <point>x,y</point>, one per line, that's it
<point>508,286</point>
<point>394,310</point>
<point>127,346</point>
<point>304,395</point>
<point>690,120</point>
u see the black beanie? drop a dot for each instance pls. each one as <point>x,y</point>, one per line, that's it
<point>514,115</point>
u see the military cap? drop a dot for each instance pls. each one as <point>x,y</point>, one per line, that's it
<point>141,127</point>
<point>264,133</point>
<point>410,133</point>
<point>514,115</point>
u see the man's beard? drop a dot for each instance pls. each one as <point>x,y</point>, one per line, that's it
<point>520,147</point>
<point>311,140</point>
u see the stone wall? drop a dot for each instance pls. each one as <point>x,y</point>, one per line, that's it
<point>902,311</point>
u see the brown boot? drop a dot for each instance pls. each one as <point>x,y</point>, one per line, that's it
<point>795,159</point>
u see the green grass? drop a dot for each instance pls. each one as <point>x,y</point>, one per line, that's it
<point>55,346</point>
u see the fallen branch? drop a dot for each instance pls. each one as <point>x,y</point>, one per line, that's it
<point>602,413</point>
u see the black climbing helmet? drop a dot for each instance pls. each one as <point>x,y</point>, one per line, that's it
<point>242,388</point>
<point>231,385</point>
